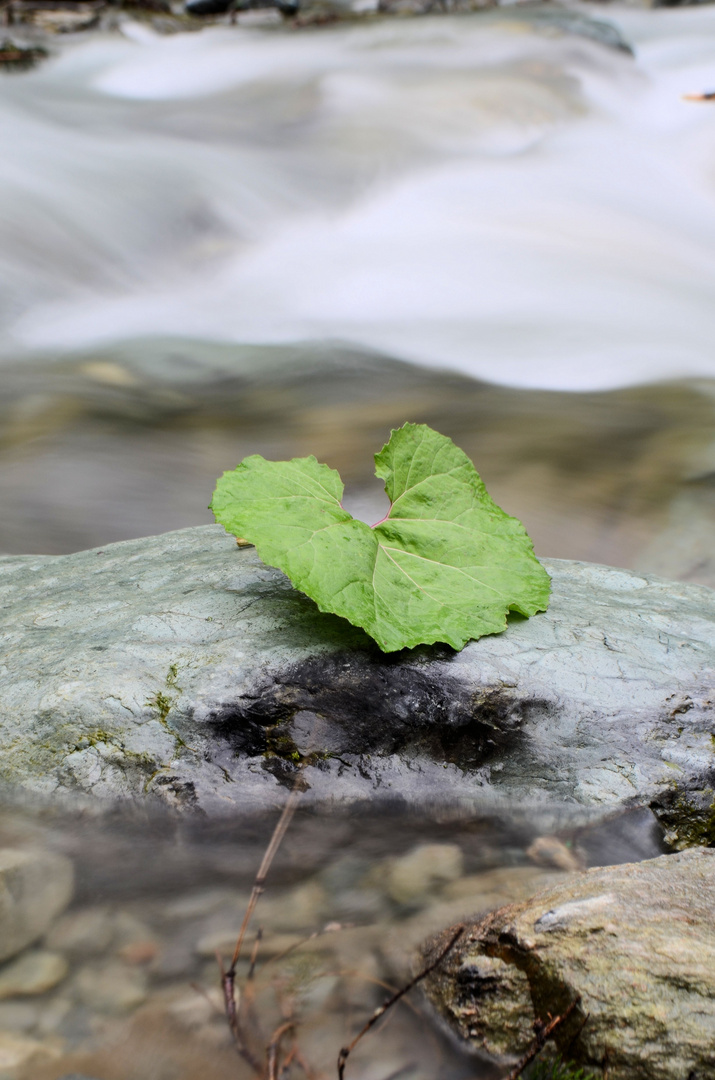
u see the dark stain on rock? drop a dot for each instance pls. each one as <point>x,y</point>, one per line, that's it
<point>360,704</point>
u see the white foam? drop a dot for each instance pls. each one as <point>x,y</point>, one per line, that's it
<point>469,193</point>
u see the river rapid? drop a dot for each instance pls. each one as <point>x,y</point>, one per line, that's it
<point>286,241</point>
<point>488,193</point>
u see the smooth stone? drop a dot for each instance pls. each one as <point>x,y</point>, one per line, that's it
<point>413,876</point>
<point>35,972</point>
<point>18,1050</point>
<point>635,942</point>
<point>88,932</point>
<point>550,851</point>
<point>20,1016</point>
<point>301,909</point>
<point>461,901</point>
<point>195,1009</point>
<point>181,669</point>
<point>111,988</point>
<point>35,887</point>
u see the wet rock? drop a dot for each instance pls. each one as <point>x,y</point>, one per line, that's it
<point>430,7</point>
<point>550,851</point>
<point>629,836</point>
<point>19,57</point>
<point>557,20</point>
<point>88,932</point>
<point>635,942</point>
<point>301,909</point>
<point>462,900</point>
<point>19,1016</point>
<point>35,972</point>
<point>111,988</point>
<point>411,877</point>
<point>18,1050</point>
<point>179,668</point>
<point>34,889</point>
<point>58,16</point>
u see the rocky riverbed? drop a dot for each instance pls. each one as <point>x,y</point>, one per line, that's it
<point>110,924</point>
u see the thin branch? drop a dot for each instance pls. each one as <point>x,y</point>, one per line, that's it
<point>275,842</point>
<point>347,1050</point>
<point>274,1047</point>
<point>543,1033</point>
<point>247,1002</point>
<point>330,928</point>
<point>228,984</point>
<point>254,954</point>
<point>287,1062</point>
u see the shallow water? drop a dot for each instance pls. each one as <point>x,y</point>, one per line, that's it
<point>136,986</point>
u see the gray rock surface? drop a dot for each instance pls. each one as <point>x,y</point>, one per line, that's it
<point>34,889</point>
<point>180,667</point>
<point>636,942</point>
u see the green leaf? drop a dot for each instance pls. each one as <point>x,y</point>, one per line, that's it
<point>446,564</point>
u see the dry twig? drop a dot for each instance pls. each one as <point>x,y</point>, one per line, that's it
<point>268,857</point>
<point>543,1032</point>
<point>347,1050</point>
<point>274,1047</point>
<point>228,978</point>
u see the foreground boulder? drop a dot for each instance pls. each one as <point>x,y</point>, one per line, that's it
<point>635,942</point>
<point>180,667</point>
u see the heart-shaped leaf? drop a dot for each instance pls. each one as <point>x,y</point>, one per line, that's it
<point>445,564</point>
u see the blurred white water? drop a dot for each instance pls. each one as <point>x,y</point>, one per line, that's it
<point>484,193</point>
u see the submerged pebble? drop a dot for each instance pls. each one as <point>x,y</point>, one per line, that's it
<point>33,973</point>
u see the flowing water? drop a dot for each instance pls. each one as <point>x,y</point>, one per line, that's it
<point>490,194</point>
<point>287,241</point>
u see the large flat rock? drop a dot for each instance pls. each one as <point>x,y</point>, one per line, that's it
<point>179,667</point>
